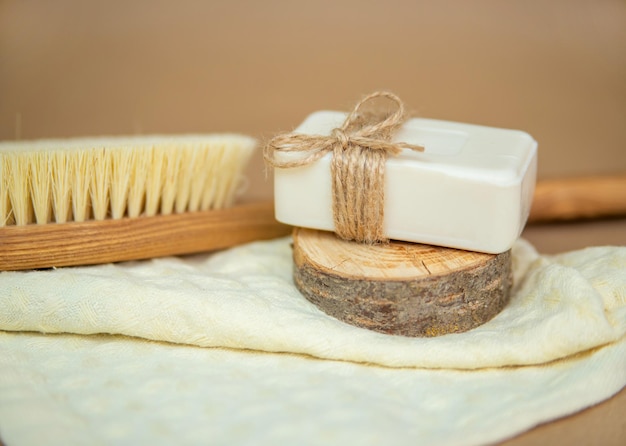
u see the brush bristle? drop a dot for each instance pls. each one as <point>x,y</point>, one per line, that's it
<point>58,181</point>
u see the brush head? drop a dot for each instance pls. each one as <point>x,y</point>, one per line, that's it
<point>58,181</point>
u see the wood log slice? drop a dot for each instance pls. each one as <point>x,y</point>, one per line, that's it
<point>400,288</point>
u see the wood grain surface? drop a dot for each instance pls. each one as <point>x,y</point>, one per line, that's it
<point>400,288</point>
<point>52,245</point>
<point>575,198</point>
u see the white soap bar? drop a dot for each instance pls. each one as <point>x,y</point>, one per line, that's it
<point>470,189</point>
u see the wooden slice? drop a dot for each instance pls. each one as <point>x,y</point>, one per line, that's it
<point>400,288</point>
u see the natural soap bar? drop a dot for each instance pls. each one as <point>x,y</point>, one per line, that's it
<point>471,188</point>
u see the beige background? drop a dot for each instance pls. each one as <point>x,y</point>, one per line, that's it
<point>556,69</point>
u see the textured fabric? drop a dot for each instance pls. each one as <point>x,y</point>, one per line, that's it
<point>559,346</point>
<point>91,390</point>
<point>245,298</point>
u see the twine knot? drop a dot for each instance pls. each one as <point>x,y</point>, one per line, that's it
<point>360,148</point>
<point>341,137</point>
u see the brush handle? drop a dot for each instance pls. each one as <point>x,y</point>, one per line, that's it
<point>93,242</point>
<point>579,198</point>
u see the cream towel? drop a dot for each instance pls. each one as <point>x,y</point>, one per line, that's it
<point>568,311</point>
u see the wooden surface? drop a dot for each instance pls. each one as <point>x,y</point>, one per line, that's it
<point>400,288</point>
<point>554,69</point>
<point>579,198</point>
<point>52,245</point>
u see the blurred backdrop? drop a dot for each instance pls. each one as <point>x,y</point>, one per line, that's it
<point>556,69</point>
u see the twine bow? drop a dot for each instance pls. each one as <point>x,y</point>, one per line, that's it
<point>360,148</point>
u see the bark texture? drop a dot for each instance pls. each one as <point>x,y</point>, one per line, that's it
<point>400,288</point>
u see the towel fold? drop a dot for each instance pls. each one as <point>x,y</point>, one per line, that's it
<point>245,298</point>
<point>559,346</point>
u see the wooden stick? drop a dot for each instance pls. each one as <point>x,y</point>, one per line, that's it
<point>92,242</point>
<point>579,198</point>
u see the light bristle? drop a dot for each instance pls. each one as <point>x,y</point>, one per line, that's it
<point>140,164</point>
<point>211,182</point>
<point>81,170</point>
<point>154,180</point>
<point>40,172</point>
<point>76,180</point>
<point>226,188</point>
<point>6,217</point>
<point>60,184</point>
<point>170,181</point>
<point>185,171</point>
<point>121,168</point>
<point>99,187</point>
<point>18,180</point>
<point>198,181</point>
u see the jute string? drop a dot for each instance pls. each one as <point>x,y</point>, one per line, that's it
<point>360,148</point>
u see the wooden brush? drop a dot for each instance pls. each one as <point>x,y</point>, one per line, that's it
<point>98,200</point>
